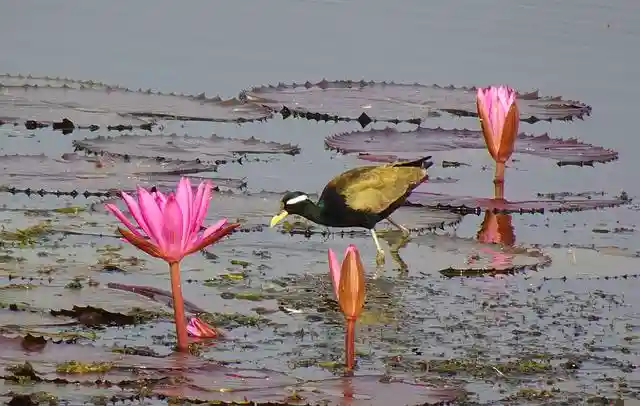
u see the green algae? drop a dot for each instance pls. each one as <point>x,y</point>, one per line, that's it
<point>77,367</point>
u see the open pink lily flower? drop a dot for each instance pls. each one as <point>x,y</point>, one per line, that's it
<point>500,118</point>
<point>348,285</point>
<point>169,227</point>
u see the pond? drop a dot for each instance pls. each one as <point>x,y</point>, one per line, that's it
<point>528,301</point>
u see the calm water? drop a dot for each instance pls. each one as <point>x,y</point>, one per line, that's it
<point>581,50</point>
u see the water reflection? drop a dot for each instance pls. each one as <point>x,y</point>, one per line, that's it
<point>491,251</point>
<point>496,228</point>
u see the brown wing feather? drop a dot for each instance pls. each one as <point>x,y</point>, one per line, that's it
<point>375,188</point>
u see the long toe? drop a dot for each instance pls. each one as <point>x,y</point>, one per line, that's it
<point>380,258</point>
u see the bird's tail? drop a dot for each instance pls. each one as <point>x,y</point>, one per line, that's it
<point>424,163</point>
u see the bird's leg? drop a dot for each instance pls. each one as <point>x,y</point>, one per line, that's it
<point>380,252</point>
<point>405,231</point>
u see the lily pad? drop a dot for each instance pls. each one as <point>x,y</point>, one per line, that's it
<point>192,380</point>
<point>368,102</point>
<point>182,148</point>
<point>389,144</point>
<point>256,209</point>
<point>469,204</point>
<point>73,173</point>
<point>88,103</point>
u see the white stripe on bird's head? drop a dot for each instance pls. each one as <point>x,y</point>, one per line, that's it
<point>296,200</point>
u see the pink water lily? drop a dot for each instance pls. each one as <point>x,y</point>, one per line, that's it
<point>499,118</point>
<point>169,227</point>
<point>348,285</point>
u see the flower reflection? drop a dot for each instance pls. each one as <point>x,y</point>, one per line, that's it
<point>496,228</point>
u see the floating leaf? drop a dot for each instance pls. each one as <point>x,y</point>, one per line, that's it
<point>19,108</point>
<point>76,173</point>
<point>89,103</point>
<point>192,380</point>
<point>182,148</point>
<point>469,204</point>
<point>389,144</point>
<point>368,102</point>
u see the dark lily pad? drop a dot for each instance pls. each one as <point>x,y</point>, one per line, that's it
<point>88,103</point>
<point>469,204</point>
<point>95,317</point>
<point>257,209</point>
<point>389,144</point>
<point>182,148</point>
<point>368,102</point>
<point>192,380</point>
<point>74,173</point>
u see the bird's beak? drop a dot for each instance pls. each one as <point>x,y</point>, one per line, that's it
<point>278,218</point>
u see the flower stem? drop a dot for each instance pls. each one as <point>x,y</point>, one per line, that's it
<point>178,307</point>
<point>349,342</point>
<point>498,181</point>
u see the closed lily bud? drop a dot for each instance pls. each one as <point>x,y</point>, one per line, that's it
<point>500,118</point>
<point>351,288</point>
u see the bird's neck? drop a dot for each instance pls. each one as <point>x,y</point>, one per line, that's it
<point>314,212</point>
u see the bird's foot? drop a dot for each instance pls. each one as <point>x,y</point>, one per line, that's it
<point>380,257</point>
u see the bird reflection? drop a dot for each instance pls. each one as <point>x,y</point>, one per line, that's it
<point>396,241</point>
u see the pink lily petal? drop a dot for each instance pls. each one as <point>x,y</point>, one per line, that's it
<point>152,217</point>
<point>213,228</point>
<point>334,271</point>
<point>134,209</point>
<point>123,219</point>
<point>198,328</point>
<point>204,192</point>
<point>184,197</point>
<point>172,229</point>
<point>160,199</point>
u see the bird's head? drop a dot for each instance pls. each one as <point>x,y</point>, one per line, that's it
<point>291,203</point>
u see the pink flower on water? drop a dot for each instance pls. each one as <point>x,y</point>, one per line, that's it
<point>499,116</point>
<point>168,226</point>
<point>348,285</point>
<point>198,328</point>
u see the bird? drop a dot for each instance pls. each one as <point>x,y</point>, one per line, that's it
<point>360,197</point>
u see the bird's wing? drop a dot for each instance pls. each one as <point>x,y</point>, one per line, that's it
<point>375,188</point>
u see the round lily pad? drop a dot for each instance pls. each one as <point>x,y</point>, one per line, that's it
<point>74,173</point>
<point>183,148</point>
<point>389,144</point>
<point>89,103</point>
<point>470,204</point>
<point>368,102</point>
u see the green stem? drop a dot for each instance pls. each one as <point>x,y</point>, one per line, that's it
<point>178,307</point>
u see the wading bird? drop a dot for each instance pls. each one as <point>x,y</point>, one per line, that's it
<point>359,197</point>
